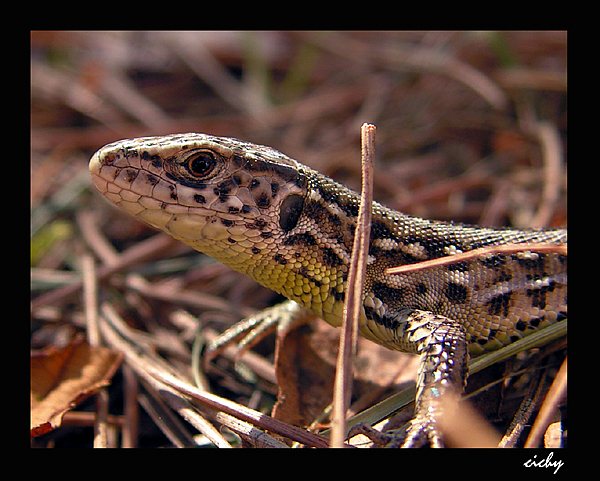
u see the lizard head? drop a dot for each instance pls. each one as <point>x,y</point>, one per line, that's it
<point>206,191</point>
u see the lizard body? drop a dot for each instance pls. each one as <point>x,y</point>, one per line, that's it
<point>291,229</point>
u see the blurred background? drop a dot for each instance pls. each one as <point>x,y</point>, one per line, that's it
<point>458,113</point>
<point>471,127</point>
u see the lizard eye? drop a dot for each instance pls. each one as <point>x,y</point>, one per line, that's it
<point>201,164</point>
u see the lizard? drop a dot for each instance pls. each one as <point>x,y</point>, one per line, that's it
<point>291,229</point>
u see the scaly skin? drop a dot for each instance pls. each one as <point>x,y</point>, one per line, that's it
<point>291,229</point>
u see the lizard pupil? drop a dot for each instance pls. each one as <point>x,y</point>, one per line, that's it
<point>201,164</point>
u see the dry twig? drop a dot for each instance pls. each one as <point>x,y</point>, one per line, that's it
<point>355,285</point>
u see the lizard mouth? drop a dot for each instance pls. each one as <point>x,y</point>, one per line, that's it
<point>192,214</point>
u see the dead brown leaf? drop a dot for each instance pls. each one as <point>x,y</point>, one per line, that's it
<point>305,369</point>
<point>63,377</point>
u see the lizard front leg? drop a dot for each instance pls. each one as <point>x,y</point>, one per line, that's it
<point>442,345</point>
<point>281,317</point>
<point>440,342</point>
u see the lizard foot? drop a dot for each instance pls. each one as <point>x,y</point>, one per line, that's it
<point>249,331</point>
<point>420,432</point>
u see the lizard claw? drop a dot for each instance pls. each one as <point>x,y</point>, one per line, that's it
<point>422,431</point>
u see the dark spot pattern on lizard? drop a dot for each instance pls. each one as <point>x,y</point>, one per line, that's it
<point>330,258</point>
<point>301,238</point>
<point>383,291</point>
<point>498,305</point>
<point>456,293</point>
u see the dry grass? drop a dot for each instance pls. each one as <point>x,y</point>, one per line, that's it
<point>471,126</point>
